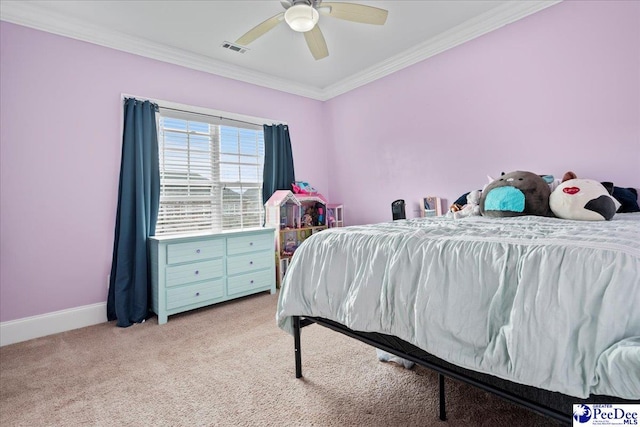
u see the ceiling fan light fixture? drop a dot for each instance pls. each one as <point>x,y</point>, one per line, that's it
<point>301,17</point>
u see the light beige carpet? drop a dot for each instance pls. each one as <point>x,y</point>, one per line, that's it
<point>226,365</point>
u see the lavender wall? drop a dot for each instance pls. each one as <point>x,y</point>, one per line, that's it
<point>556,91</point>
<point>60,148</point>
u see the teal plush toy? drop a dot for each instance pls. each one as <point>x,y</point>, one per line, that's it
<point>515,194</point>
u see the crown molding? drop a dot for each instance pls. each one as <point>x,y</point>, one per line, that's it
<point>30,15</point>
<point>469,30</point>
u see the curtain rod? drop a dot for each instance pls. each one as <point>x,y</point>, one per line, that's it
<point>209,115</point>
<point>194,110</point>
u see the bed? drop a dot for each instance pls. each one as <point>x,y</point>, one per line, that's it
<point>541,311</point>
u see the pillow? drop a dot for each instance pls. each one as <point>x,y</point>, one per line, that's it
<point>583,199</point>
<point>515,194</point>
<point>628,198</point>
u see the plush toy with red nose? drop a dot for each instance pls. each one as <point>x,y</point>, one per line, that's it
<point>582,199</point>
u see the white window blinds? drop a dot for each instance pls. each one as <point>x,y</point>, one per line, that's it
<point>210,173</point>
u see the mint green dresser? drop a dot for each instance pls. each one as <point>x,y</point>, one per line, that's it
<point>193,271</point>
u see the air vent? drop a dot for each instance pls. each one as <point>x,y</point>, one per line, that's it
<point>234,47</point>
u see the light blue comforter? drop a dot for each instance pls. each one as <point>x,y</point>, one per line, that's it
<point>546,302</point>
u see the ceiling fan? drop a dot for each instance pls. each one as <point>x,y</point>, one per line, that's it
<point>303,15</point>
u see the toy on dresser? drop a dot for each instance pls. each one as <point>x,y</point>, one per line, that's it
<point>290,243</point>
<point>302,187</point>
<point>307,218</point>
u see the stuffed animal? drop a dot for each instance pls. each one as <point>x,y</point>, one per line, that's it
<point>515,194</point>
<point>472,208</point>
<point>582,199</point>
<point>383,356</point>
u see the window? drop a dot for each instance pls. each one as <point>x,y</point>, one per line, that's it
<point>210,173</point>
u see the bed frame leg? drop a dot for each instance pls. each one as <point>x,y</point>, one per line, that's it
<point>296,340</point>
<point>443,410</point>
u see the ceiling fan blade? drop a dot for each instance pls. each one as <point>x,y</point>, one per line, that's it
<point>354,12</point>
<point>260,29</point>
<point>316,43</point>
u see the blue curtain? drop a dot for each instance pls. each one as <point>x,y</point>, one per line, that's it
<point>278,173</point>
<point>138,203</point>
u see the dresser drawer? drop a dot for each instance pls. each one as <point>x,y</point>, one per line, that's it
<point>249,262</point>
<point>247,282</point>
<point>194,294</point>
<point>194,272</point>
<point>250,243</point>
<point>194,251</point>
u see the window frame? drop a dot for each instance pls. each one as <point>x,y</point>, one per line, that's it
<point>219,118</point>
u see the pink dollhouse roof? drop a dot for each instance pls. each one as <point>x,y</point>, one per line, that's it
<point>281,197</point>
<point>311,198</point>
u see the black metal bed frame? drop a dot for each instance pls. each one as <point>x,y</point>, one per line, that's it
<point>419,356</point>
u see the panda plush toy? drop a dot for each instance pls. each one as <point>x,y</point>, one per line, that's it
<point>583,199</point>
<point>515,194</point>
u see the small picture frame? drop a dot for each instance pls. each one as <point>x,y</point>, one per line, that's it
<point>431,206</point>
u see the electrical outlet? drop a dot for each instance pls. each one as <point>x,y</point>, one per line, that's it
<point>108,280</point>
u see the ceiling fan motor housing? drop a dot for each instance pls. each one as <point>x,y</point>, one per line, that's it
<point>301,17</point>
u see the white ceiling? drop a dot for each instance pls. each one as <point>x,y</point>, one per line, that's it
<point>191,33</point>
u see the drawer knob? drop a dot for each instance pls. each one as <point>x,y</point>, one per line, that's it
<point>251,281</point>
<point>250,262</point>
<point>197,272</point>
<point>197,294</point>
<point>250,243</point>
<point>197,251</point>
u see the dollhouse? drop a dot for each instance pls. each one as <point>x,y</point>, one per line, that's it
<point>296,217</point>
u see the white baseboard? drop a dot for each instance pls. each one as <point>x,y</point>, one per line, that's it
<point>28,328</point>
